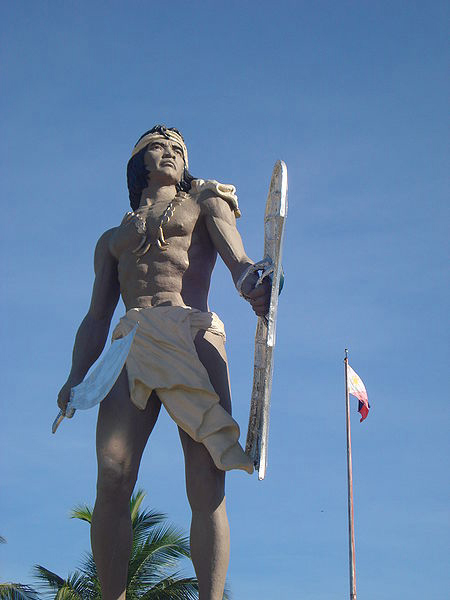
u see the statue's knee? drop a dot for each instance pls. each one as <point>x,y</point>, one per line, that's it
<point>115,480</point>
<point>206,494</point>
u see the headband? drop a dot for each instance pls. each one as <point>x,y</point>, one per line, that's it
<point>168,134</point>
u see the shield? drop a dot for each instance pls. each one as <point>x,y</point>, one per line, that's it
<point>274,221</point>
<point>96,386</point>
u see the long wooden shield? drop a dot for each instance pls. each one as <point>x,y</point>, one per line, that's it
<point>274,220</point>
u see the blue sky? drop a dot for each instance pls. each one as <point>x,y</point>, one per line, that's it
<point>351,95</point>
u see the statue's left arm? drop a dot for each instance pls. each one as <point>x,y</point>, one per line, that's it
<point>221,225</point>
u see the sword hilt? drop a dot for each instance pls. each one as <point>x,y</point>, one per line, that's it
<point>266,266</point>
<point>68,413</point>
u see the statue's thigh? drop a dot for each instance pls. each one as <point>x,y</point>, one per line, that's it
<point>211,352</point>
<point>205,483</point>
<point>122,428</point>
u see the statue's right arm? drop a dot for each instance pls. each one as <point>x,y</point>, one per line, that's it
<point>93,331</point>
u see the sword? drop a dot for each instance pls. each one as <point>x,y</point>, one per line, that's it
<point>96,386</point>
<point>274,221</point>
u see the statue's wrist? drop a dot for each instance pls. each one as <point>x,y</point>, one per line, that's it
<point>74,379</point>
<point>243,279</point>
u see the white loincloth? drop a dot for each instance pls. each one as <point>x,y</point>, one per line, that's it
<point>163,358</point>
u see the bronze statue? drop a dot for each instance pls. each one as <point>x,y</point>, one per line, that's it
<point>160,260</point>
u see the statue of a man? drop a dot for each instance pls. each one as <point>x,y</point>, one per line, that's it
<point>160,260</point>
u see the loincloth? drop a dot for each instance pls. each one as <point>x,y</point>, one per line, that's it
<point>163,358</point>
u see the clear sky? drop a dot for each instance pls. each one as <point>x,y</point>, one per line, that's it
<point>352,96</point>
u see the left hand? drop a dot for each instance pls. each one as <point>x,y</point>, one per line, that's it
<point>259,297</point>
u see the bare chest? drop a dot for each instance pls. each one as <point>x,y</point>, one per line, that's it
<point>157,224</point>
<point>174,219</point>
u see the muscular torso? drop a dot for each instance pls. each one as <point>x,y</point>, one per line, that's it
<point>177,274</point>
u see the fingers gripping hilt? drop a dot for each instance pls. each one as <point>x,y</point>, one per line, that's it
<point>267,269</point>
<point>265,266</point>
<point>68,412</point>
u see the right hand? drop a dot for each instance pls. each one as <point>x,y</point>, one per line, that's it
<point>259,297</point>
<point>64,396</point>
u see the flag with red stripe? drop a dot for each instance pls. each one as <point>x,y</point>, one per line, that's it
<point>357,388</point>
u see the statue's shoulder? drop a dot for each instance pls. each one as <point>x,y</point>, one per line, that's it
<point>206,192</point>
<point>104,239</point>
<point>103,247</point>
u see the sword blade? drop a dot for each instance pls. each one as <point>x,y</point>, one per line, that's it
<point>274,220</point>
<point>97,385</point>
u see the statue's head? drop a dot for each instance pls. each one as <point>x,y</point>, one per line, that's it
<point>137,172</point>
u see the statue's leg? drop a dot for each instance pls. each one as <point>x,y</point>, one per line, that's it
<point>205,484</point>
<point>122,432</point>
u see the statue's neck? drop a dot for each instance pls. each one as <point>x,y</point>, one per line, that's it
<point>154,193</point>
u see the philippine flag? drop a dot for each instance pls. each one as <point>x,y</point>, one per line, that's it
<point>357,388</point>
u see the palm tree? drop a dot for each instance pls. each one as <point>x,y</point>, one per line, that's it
<point>16,591</point>
<point>157,548</point>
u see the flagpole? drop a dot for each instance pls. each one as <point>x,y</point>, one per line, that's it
<point>351,528</point>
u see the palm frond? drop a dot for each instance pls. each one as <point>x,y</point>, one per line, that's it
<point>89,570</point>
<point>88,566</point>
<point>17,591</point>
<point>135,502</point>
<point>67,593</point>
<point>47,578</point>
<point>156,551</point>
<point>82,512</point>
<point>2,540</point>
<point>170,536</point>
<point>77,586</point>
<point>160,551</point>
<point>173,588</point>
<point>143,523</point>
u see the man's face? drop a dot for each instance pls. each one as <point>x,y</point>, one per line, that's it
<point>164,160</point>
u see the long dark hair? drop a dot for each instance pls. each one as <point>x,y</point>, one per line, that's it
<point>137,173</point>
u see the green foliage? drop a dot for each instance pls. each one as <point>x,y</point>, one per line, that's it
<point>152,571</point>
<point>152,575</point>
<point>17,591</point>
<point>76,587</point>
